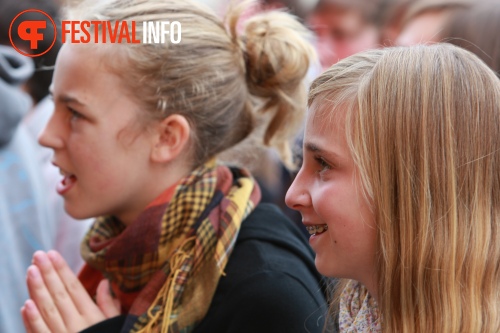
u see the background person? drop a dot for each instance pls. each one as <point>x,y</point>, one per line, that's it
<point>26,221</point>
<point>476,30</point>
<point>343,28</point>
<point>425,20</point>
<point>68,231</point>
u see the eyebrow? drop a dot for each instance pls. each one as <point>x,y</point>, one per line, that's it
<point>313,148</point>
<point>66,98</point>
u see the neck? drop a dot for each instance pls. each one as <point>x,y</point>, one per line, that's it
<point>372,286</point>
<point>161,178</point>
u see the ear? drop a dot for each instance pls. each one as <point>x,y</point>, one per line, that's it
<point>171,137</point>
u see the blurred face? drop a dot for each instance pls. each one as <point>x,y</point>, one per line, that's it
<point>340,33</point>
<point>423,29</point>
<point>327,193</point>
<point>102,159</point>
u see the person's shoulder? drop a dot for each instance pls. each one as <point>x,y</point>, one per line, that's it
<point>266,300</point>
<point>270,283</point>
<point>273,261</point>
<point>277,301</point>
<point>269,232</point>
<point>266,210</point>
<point>266,218</point>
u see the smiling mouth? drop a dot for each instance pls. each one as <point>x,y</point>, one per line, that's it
<point>317,229</point>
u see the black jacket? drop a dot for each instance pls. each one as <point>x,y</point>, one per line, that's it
<point>271,283</point>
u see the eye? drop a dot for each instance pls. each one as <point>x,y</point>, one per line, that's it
<point>322,163</point>
<point>74,114</point>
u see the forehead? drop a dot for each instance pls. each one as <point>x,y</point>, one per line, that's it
<point>79,59</point>
<point>82,74</point>
<point>325,130</point>
<point>324,114</point>
<point>325,124</point>
<point>85,67</point>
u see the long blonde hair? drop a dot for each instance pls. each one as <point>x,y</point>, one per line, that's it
<point>423,128</point>
<point>224,82</point>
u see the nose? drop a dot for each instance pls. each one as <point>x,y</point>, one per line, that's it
<point>297,197</point>
<point>51,136</point>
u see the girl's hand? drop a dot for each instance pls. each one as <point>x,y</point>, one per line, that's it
<point>59,303</point>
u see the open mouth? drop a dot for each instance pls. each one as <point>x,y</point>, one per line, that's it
<point>317,229</point>
<point>66,183</point>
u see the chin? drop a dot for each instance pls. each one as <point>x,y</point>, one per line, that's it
<point>323,267</point>
<point>77,212</point>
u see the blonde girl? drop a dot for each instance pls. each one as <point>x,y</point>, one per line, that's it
<point>400,188</point>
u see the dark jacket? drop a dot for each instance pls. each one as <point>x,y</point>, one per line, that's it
<point>271,283</point>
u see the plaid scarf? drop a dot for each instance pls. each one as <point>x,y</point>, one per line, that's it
<point>165,266</point>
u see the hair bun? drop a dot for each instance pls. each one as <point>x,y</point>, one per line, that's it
<point>277,56</point>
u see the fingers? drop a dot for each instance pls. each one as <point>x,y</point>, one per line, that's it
<point>26,321</point>
<point>108,305</point>
<point>33,321</point>
<point>62,300</point>
<point>56,288</point>
<point>45,309</point>
<point>81,299</point>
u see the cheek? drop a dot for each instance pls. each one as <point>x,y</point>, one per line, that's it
<point>345,213</point>
<point>352,242</point>
<point>84,155</point>
<point>335,201</point>
<point>358,234</point>
<point>95,163</point>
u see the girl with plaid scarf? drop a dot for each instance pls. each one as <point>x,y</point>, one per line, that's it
<point>181,242</point>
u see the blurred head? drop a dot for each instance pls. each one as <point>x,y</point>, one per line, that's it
<point>426,159</point>
<point>14,70</point>
<point>425,20</point>
<point>38,85</point>
<point>300,8</point>
<point>476,30</point>
<point>344,28</point>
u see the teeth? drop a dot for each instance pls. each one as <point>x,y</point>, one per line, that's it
<point>317,229</point>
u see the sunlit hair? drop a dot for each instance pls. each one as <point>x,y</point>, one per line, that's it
<point>223,82</point>
<point>423,127</point>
